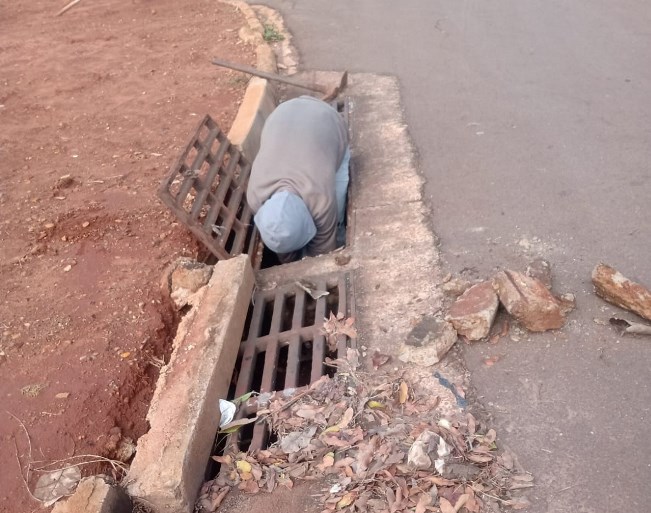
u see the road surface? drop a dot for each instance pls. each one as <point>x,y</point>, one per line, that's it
<point>533,124</point>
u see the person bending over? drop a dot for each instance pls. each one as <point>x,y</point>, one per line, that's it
<point>299,179</point>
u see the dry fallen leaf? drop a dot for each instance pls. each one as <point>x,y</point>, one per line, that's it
<point>507,460</point>
<point>441,481</point>
<point>403,392</point>
<point>461,502</point>
<point>518,503</point>
<point>343,423</point>
<point>479,458</point>
<point>226,460</point>
<point>445,506</point>
<point>346,500</point>
<point>52,486</point>
<point>231,427</point>
<point>311,289</point>
<point>327,462</point>
<point>297,440</point>
<point>243,466</point>
<point>249,486</point>
<point>424,500</point>
<point>472,423</point>
<point>338,325</point>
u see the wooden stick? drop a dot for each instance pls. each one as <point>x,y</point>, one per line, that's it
<point>68,6</point>
<point>269,76</point>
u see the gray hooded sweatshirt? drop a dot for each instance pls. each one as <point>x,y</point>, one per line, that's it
<point>302,145</point>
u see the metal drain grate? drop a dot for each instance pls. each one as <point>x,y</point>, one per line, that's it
<point>284,346</point>
<point>206,190</point>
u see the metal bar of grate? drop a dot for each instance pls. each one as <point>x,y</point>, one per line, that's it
<point>206,188</point>
<point>210,178</point>
<point>287,320</point>
<point>225,182</point>
<point>319,342</point>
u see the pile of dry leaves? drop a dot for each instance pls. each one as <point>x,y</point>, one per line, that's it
<point>378,445</point>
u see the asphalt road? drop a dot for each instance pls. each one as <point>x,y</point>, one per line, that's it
<point>533,124</point>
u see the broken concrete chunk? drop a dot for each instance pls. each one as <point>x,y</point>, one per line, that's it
<point>540,269</point>
<point>95,495</point>
<point>473,313</point>
<point>428,342</point>
<point>183,278</point>
<point>615,288</point>
<point>528,300</point>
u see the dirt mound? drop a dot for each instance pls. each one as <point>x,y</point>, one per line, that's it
<point>94,107</point>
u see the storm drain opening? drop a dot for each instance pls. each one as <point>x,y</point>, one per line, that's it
<point>284,348</point>
<point>206,191</point>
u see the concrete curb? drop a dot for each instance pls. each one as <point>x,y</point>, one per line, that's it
<point>259,101</point>
<point>260,96</point>
<point>171,458</point>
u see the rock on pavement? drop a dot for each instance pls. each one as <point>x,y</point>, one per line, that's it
<point>615,288</point>
<point>428,342</point>
<point>473,313</point>
<point>529,301</point>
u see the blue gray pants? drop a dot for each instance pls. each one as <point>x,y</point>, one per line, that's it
<point>342,177</point>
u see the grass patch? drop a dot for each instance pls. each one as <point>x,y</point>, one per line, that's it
<point>271,33</point>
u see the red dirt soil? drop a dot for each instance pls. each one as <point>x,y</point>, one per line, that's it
<point>108,93</point>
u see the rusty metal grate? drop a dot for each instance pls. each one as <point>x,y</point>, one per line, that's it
<point>284,346</point>
<point>206,190</point>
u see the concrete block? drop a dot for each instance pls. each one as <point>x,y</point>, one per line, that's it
<point>472,314</point>
<point>259,101</point>
<point>171,458</point>
<point>95,495</point>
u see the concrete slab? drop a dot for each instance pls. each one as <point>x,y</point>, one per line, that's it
<point>259,101</point>
<point>95,495</point>
<point>184,415</point>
